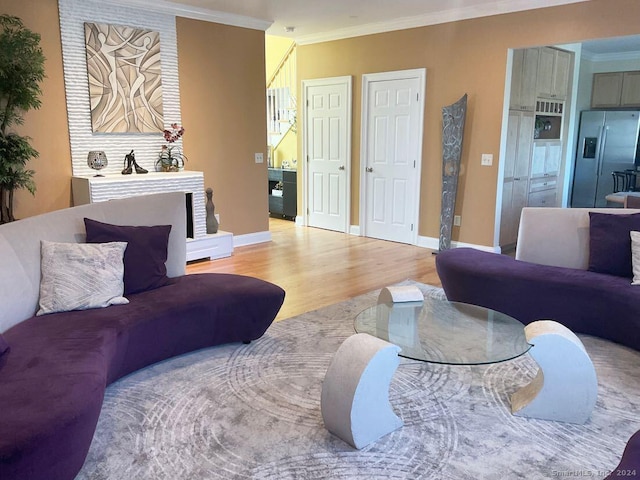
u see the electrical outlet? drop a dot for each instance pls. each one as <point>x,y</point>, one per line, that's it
<point>259,157</point>
<point>456,220</point>
<point>487,159</point>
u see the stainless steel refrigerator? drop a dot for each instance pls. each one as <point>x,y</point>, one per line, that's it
<point>608,141</point>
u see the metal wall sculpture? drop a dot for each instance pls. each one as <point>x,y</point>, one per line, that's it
<point>452,131</point>
<point>125,81</point>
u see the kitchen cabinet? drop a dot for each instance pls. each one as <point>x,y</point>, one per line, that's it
<point>545,160</point>
<point>516,173</point>
<point>630,96</point>
<point>545,198</point>
<point>523,79</point>
<point>282,185</point>
<point>554,66</point>
<point>616,89</point>
<point>607,90</point>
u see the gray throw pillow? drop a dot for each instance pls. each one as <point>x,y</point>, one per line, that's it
<point>635,257</point>
<point>80,276</point>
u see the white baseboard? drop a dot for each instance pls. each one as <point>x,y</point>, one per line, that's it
<point>300,220</point>
<point>434,243</point>
<point>251,238</point>
<point>354,230</point>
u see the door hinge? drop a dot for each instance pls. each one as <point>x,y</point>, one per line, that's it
<point>417,97</point>
<point>307,211</point>
<point>414,164</point>
<point>307,158</point>
<point>307,102</point>
<point>412,227</point>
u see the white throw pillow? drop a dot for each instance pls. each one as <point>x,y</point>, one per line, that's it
<point>635,256</point>
<point>80,276</point>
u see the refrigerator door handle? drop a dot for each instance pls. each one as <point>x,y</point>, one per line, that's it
<point>602,139</point>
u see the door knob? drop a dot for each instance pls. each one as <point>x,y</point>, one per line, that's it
<point>369,169</point>
<point>341,167</point>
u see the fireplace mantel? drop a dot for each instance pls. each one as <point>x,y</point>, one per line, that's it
<point>88,189</point>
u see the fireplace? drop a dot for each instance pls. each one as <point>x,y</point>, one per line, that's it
<point>87,189</point>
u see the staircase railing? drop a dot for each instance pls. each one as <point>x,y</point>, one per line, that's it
<point>281,97</point>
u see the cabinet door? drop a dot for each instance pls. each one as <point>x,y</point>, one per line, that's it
<point>513,125</point>
<point>525,140</point>
<point>561,68</point>
<point>516,78</point>
<point>545,160</point>
<point>630,89</point>
<point>544,83</point>
<point>538,159</point>
<point>607,90</point>
<point>545,198</point>
<point>523,79</point>
<point>289,194</point>
<point>552,158</point>
<point>519,140</point>
<point>553,73</point>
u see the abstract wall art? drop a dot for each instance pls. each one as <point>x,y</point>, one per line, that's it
<point>125,79</point>
<point>453,117</point>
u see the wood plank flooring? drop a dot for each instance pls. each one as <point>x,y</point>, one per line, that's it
<point>319,267</point>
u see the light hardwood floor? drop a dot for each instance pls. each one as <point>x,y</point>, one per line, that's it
<point>319,267</point>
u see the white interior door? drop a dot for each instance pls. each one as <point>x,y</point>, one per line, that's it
<point>392,122</point>
<point>327,134</point>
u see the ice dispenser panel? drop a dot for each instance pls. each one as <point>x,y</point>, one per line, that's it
<point>589,150</point>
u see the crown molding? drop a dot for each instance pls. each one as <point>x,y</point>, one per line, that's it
<point>196,13</point>
<point>452,15</point>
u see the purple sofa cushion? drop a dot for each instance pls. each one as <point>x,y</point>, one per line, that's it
<point>4,346</point>
<point>610,243</point>
<point>146,254</point>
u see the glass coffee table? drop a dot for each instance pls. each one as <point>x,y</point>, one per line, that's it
<point>439,331</point>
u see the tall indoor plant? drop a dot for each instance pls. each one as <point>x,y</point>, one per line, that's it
<point>21,71</point>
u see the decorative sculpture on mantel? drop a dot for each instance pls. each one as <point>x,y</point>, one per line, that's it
<point>212,221</point>
<point>453,117</point>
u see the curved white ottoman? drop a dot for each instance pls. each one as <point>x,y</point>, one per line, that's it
<point>566,387</point>
<point>355,392</point>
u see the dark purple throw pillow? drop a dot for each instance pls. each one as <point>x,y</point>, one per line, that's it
<point>610,242</point>
<point>145,256</point>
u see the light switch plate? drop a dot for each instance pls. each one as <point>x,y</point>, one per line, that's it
<point>487,159</point>
<point>259,157</point>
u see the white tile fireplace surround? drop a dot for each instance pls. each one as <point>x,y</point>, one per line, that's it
<point>87,189</point>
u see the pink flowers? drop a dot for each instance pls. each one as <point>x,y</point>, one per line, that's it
<point>174,133</point>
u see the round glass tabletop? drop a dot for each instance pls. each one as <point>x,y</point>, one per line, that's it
<point>440,331</point>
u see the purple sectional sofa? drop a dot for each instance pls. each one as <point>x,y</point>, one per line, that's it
<point>54,374</point>
<point>572,265</point>
<point>557,273</point>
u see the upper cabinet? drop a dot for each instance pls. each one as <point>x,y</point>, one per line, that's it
<point>523,80</point>
<point>553,73</point>
<point>615,90</point>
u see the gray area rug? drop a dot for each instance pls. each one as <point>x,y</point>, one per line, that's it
<point>253,412</point>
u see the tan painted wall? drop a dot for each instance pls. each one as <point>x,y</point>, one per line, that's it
<point>222,78</point>
<point>462,57</point>
<point>47,126</point>
<point>222,91</point>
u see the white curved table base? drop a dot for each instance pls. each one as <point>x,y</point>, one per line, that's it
<point>355,392</point>
<point>566,387</point>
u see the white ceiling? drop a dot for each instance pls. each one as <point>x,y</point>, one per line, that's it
<point>322,20</point>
